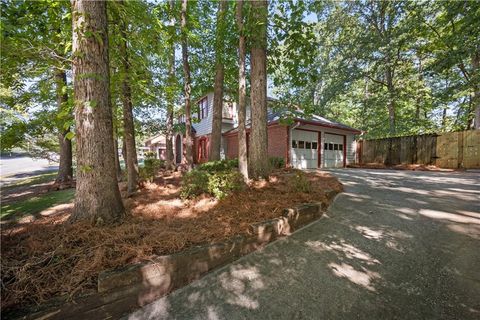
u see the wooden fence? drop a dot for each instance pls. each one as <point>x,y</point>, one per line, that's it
<point>446,150</point>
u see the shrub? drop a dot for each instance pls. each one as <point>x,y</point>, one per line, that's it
<point>149,155</point>
<point>299,182</point>
<point>276,162</point>
<point>220,165</point>
<point>222,183</point>
<point>194,183</point>
<point>150,168</point>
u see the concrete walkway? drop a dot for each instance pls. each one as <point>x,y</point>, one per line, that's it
<point>395,245</point>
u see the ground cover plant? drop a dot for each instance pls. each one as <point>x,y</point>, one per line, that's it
<point>47,257</point>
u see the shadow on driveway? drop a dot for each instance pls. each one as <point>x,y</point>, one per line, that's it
<point>394,245</point>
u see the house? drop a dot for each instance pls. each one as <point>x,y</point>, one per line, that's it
<point>158,145</point>
<point>304,142</point>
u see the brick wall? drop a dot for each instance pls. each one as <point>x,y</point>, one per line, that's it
<point>232,146</point>
<point>277,142</point>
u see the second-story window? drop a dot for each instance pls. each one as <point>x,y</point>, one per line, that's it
<point>203,108</point>
<point>228,110</point>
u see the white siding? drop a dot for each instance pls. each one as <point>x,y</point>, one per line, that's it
<point>205,125</point>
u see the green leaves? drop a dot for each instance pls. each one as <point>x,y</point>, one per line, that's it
<point>70,135</point>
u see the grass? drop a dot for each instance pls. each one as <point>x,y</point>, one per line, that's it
<point>38,179</point>
<point>36,204</point>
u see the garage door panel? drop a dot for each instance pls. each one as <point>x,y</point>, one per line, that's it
<point>304,149</point>
<point>333,151</point>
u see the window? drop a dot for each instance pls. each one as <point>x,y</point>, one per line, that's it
<point>330,146</point>
<point>301,144</point>
<point>308,145</point>
<point>335,146</point>
<point>340,147</point>
<point>325,146</point>
<point>227,110</point>
<point>203,108</point>
<point>314,145</point>
<point>294,144</point>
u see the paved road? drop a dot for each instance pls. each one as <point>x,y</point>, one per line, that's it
<point>20,167</point>
<point>395,245</point>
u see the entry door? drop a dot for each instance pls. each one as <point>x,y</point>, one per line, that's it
<point>333,151</point>
<point>304,149</point>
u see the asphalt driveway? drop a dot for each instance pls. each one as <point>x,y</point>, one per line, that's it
<point>394,245</point>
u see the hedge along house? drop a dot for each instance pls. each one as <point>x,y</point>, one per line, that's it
<point>304,143</point>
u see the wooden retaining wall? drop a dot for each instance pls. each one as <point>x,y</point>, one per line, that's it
<point>123,290</point>
<point>446,150</point>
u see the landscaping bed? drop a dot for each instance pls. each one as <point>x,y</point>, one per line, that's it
<point>47,257</point>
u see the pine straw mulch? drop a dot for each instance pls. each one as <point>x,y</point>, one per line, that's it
<point>48,257</point>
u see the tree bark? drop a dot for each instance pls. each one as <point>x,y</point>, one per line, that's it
<point>476,86</point>
<point>420,97</point>
<point>65,170</point>
<point>216,136</point>
<point>187,88</point>
<point>258,164</point>
<point>131,162</point>
<point>391,99</point>
<point>170,94</point>
<point>242,93</point>
<point>118,169</point>
<point>97,197</point>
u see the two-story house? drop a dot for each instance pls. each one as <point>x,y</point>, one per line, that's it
<point>304,143</point>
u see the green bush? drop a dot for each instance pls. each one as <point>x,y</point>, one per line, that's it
<point>222,183</point>
<point>194,183</point>
<point>149,155</point>
<point>212,179</point>
<point>299,182</point>
<point>150,168</point>
<point>276,162</point>
<point>220,165</point>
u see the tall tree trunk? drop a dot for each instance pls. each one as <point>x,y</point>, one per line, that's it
<point>131,161</point>
<point>216,136</point>
<point>118,169</point>
<point>476,86</point>
<point>97,197</point>
<point>187,88</point>
<point>258,164</point>
<point>170,94</point>
<point>420,96</point>
<point>391,99</point>
<point>124,150</point>
<point>65,169</point>
<point>444,117</point>
<point>242,93</point>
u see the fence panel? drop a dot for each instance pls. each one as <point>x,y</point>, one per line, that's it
<point>471,149</point>
<point>447,150</point>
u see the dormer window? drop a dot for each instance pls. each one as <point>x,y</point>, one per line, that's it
<point>203,108</point>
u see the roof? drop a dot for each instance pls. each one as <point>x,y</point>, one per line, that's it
<point>275,116</point>
<point>159,138</point>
